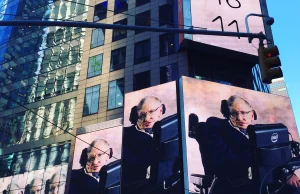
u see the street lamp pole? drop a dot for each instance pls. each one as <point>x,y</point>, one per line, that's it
<point>269,22</point>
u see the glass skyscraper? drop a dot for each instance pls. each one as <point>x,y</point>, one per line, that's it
<point>39,74</point>
<point>39,66</point>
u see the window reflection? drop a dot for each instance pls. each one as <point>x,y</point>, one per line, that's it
<point>167,44</point>
<point>142,19</point>
<point>97,37</point>
<point>31,162</point>
<point>17,164</point>
<point>91,102</point>
<point>118,59</point>
<point>119,34</point>
<point>28,170</point>
<point>27,126</point>
<point>121,6</point>
<point>53,153</point>
<point>40,53</point>
<point>116,94</point>
<point>100,11</point>
<point>95,66</point>
<point>44,86</point>
<point>64,156</point>
<point>142,51</point>
<point>43,158</point>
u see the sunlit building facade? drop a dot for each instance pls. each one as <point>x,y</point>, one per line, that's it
<point>40,70</point>
<point>278,87</point>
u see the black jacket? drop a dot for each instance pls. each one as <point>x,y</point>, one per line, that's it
<point>136,155</point>
<point>230,149</point>
<point>82,183</point>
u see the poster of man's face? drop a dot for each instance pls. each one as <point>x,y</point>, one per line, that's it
<point>217,116</point>
<point>155,97</point>
<point>36,171</point>
<point>108,138</point>
<point>55,179</point>
<point>4,182</point>
<point>96,160</point>
<point>150,125</point>
<point>17,184</point>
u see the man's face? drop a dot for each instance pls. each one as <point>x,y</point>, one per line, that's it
<point>56,187</point>
<point>97,157</point>
<point>241,114</point>
<point>36,187</point>
<point>150,112</point>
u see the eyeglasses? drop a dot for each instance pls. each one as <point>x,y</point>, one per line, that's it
<point>143,115</point>
<point>235,114</point>
<point>92,158</point>
<point>56,186</point>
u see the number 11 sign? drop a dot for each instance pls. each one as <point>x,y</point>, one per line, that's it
<point>227,15</point>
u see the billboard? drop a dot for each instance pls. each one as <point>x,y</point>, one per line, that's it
<point>216,144</point>
<point>96,162</point>
<point>41,170</point>
<point>229,16</point>
<point>151,157</point>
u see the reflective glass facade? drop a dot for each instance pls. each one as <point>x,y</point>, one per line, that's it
<point>32,125</point>
<point>38,63</point>
<point>257,82</point>
<point>23,170</point>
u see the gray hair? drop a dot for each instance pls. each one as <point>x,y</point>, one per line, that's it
<point>13,186</point>
<point>142,102</point>
<point>37,178</point>
<point>92,145</point>
<point>231,100</point>
<point>60,177</point>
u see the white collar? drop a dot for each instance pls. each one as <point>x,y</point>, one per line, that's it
<point>90,174</point>
<point>237,128</point>
<point>143,131</point>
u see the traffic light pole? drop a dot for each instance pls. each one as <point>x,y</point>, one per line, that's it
<point>259,36</point>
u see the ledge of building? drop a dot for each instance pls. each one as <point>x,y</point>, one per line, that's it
<point>36,144</point>
<point>191,45</point>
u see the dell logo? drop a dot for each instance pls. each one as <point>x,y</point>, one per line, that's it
<point>274,137</point>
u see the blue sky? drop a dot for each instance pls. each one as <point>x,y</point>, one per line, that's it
<point>286,33</point>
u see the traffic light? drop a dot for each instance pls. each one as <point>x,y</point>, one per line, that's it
<point>269,63</point>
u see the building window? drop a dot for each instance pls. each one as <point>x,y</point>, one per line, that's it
<point>165,14</point>
<point>121,6</point>
<point>142,19</point>
<point>97,37</point>
<point>95,66</point>
<point>142,51</point>
<point>141,2</point>
<point>167,46</point>
<point>168,73</point>
<point>119,34</point>
<point>141,80</point>
<point>91,101</point>
<point>118,58</point>
<point>115,94</point>
<point>100,11</point>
